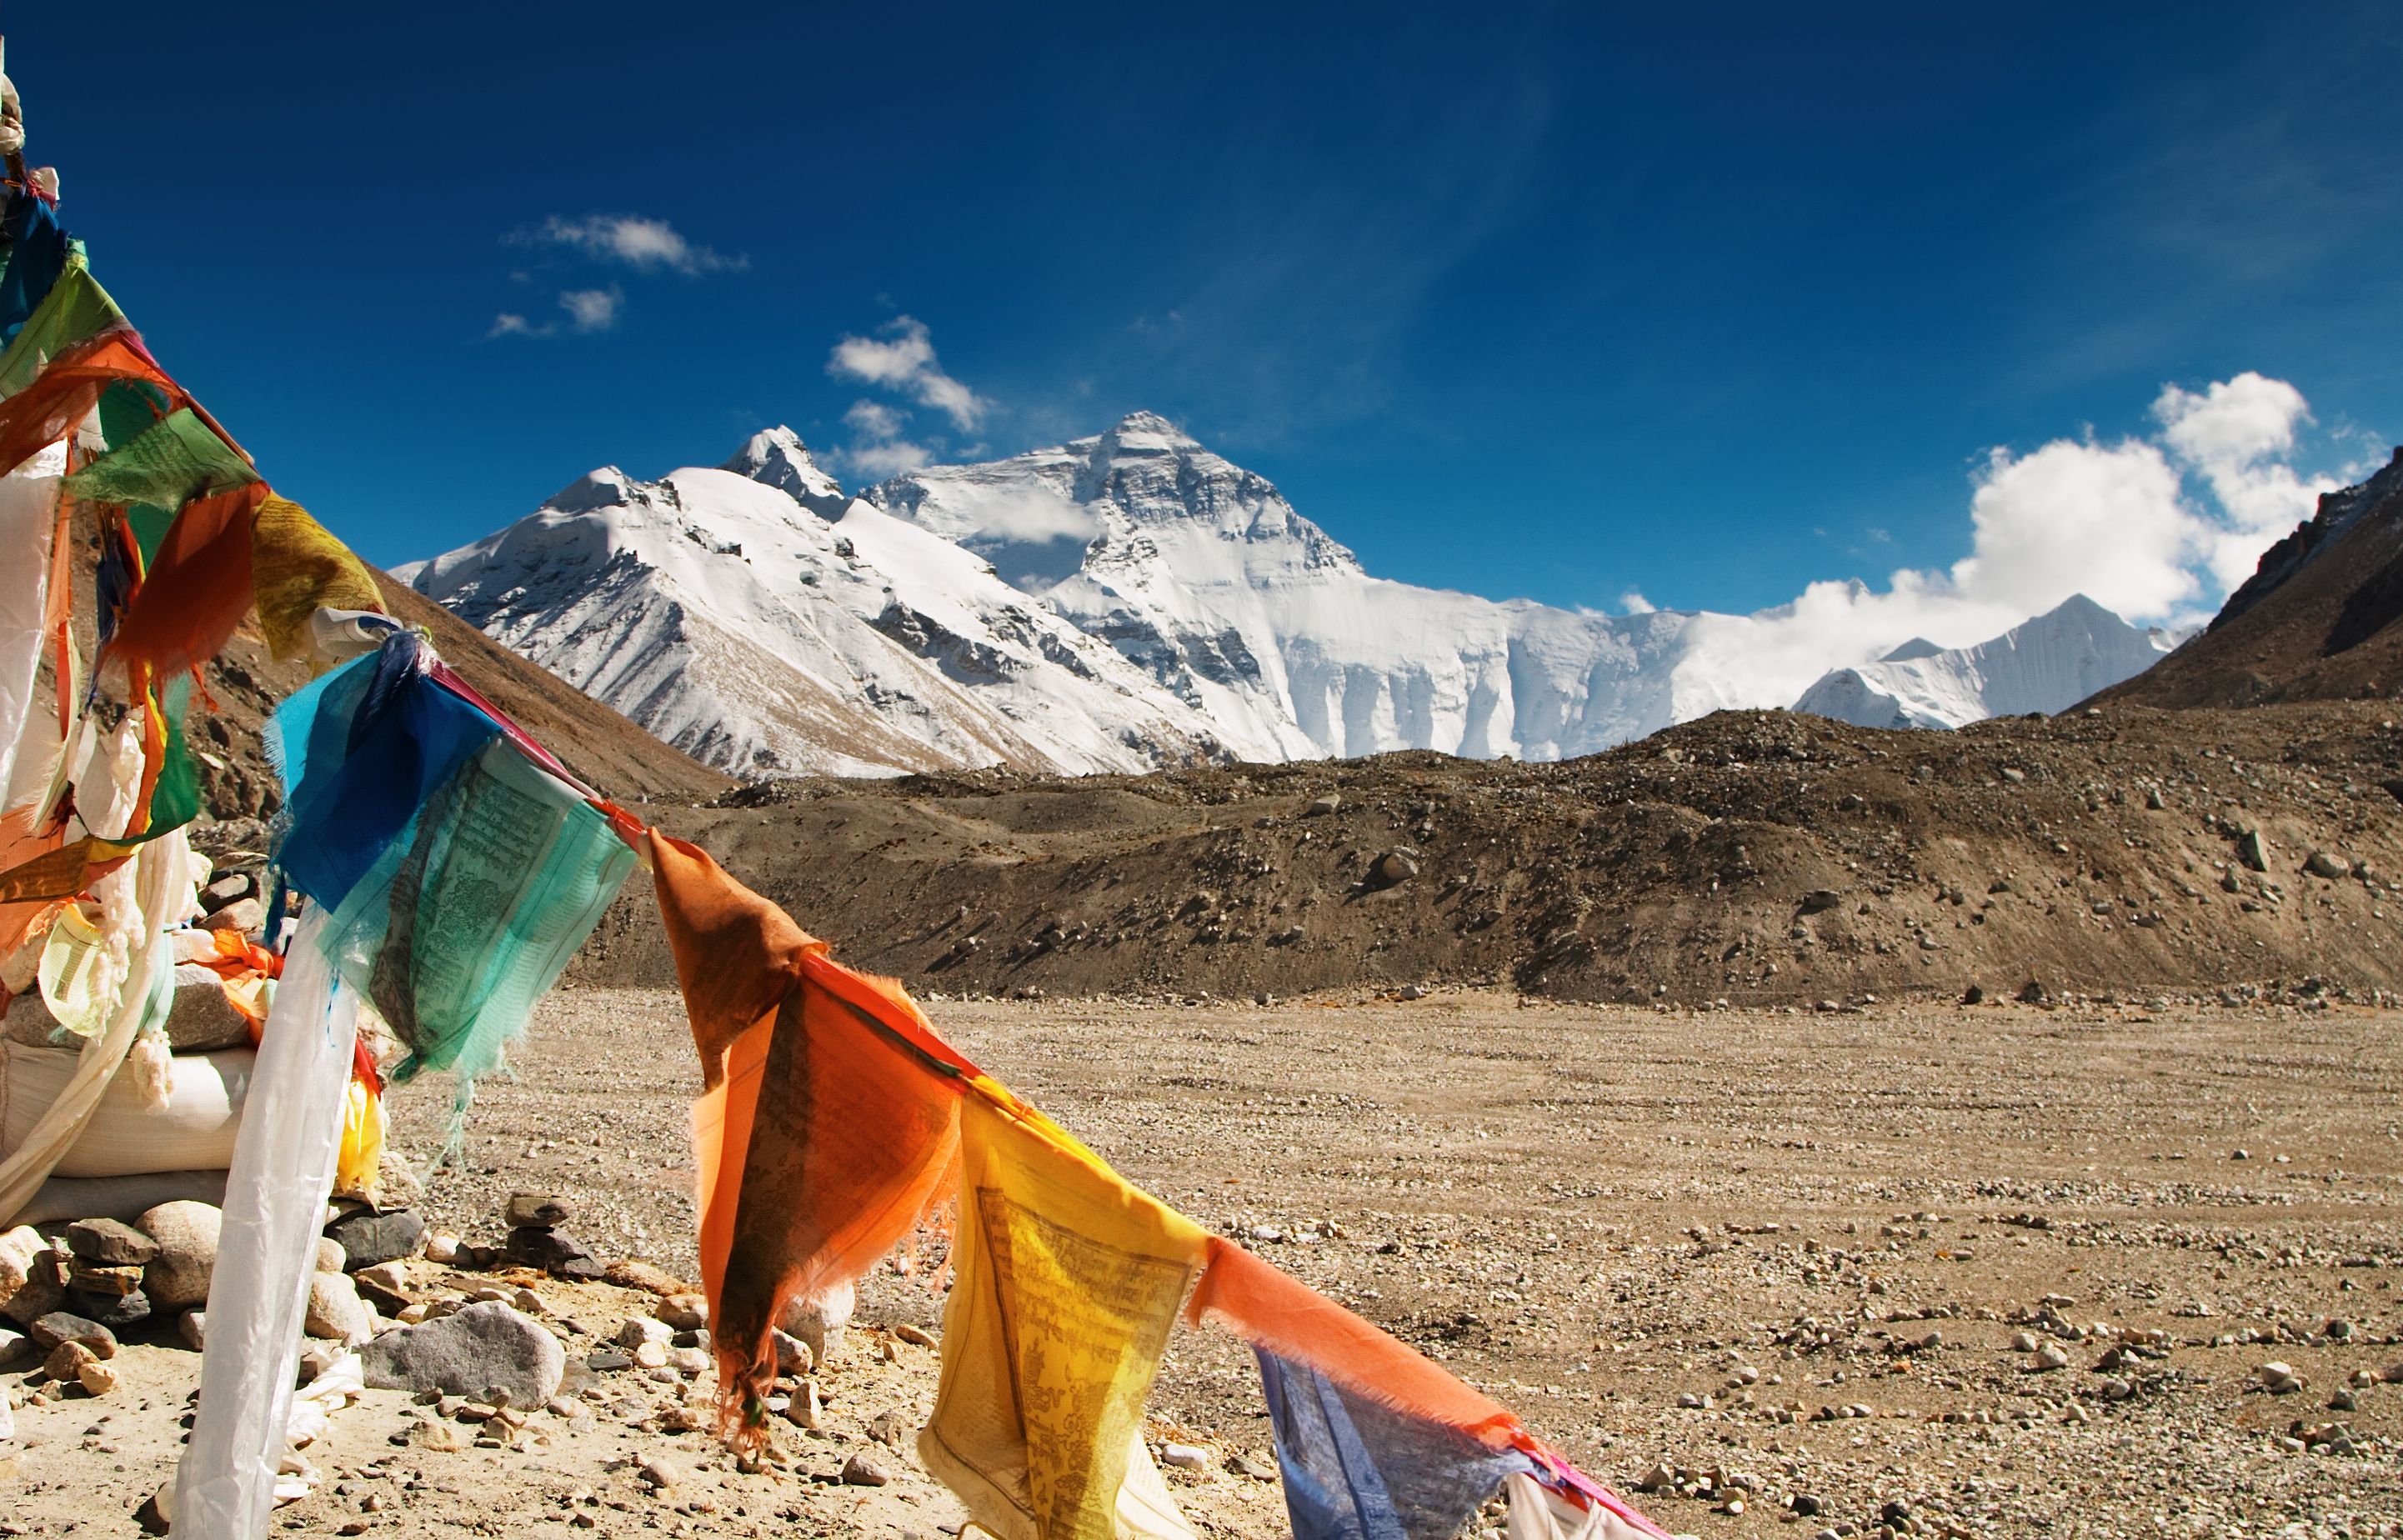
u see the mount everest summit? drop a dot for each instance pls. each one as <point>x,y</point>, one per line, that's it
<point>1117,602</point>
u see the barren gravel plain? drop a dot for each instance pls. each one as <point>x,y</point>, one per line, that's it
<point>1993,1270</point>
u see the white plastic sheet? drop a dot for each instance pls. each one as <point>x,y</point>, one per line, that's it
<point>275,1205</point>
<point>29,500</point>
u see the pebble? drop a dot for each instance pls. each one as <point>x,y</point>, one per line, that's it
<point>686,1312</point>
<point>336,1311</point>
<point>650,1355</point>
<point>475,1350</point>
<point>67,1360</point>
<point>630,1273</point>
<point>862,1470</point>
<point>660,1472</point>
<point>1185,1456</point>
<point>367,1237</point>
<point>2050,1356</point>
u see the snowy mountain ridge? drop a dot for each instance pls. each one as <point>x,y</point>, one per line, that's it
<point>1116,603</point>
<point>2045,664</point>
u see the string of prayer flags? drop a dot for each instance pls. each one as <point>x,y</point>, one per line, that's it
<point>804,1187</point>
<point>453,866</point>
<point>1065,1282</point>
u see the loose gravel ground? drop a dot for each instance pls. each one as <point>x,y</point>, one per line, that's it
<point>1771,1265</point>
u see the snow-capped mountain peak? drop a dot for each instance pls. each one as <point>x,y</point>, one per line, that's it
<point>1118,602</point>
<point>2046,664</point>
<point>733,616</point>
<point>777,457</point>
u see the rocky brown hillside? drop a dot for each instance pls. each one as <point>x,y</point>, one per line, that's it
<point>1758,857</point>
<point>2316,621</point>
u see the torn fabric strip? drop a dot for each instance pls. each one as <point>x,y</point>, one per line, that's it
<point>284,1164</point>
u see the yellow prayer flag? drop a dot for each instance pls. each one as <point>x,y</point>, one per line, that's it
<point>1066,1282</point>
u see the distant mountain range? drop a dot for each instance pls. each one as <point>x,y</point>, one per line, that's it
<point>2042,665</point>
<point>1118,603</point>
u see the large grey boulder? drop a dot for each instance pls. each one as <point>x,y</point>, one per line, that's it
<point>479,1349</point>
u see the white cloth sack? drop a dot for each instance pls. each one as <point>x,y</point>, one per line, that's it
<point>124,1136</point>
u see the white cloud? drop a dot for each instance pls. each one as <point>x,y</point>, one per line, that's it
<point>588,310</point>
<point>2236,434</point>
<point>593,309</point>
<point>878,446</point>
<point>2119,522</point>
<point>1034,519</point>
<point>874,420</point>
<point>901,358</point>
<point>1635,604</point>
<point>2105,520</point>
<point>641,243</point>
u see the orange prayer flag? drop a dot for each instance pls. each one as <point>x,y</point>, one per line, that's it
<point>49,410</point>
<point>736,953</point>
<point>830,1126</point>
<point>1296,1322</point>
<point>197,589</point>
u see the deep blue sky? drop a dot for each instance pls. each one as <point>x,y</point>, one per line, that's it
<point>1522,299</point>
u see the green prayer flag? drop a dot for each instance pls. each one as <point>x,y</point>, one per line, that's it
<point>76,308</point>
<point>174,460</point>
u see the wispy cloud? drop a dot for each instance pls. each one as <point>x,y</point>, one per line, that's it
<point>639,242</point>
<point>634,241</point>
<point>879,447</point>
<point>900,357</point>
<point>588,310</point>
